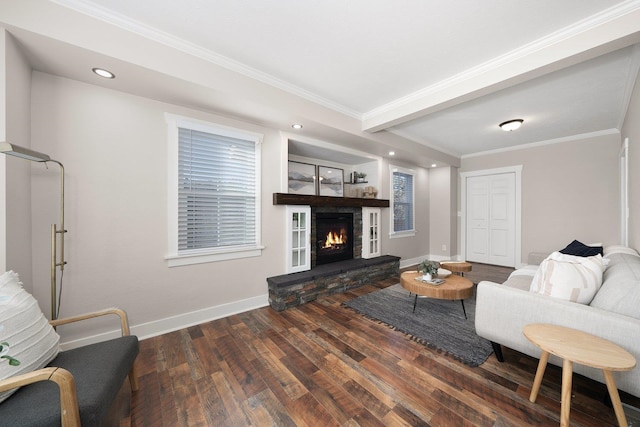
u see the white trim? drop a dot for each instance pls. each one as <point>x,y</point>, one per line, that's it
<point>400,234</point>
<point>290,210</point>
<point>175,258</point>
<point>579,137</point>
<point>224,254</point>
<point>367,212</point>
<point>518,206</point>
<point>408,262</point>
<point>197,51</point>
<point>624,193</point>
<point>175,323</point>
<point>404,233</point>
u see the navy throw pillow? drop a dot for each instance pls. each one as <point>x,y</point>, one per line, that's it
<point>580,249</point>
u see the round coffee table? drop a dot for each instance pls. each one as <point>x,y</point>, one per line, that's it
<point>459,267</point>
<point>580,347</point>
<point>453,288</point>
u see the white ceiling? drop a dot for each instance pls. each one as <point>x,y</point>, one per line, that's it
<point>411,76</point>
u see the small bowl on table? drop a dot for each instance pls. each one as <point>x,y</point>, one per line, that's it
<point>443,273</point>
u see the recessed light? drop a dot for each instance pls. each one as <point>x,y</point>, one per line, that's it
<point>296,126</point>
<point>433,165</point>
<point>104,73</point>
<point>392,153</point>
<point>511,125</point>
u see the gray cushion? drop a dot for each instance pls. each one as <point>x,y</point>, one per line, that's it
<point>620,291</point>
<point>98,369</point>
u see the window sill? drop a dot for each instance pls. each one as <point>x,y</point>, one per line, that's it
<point>401,234</point>
<point>201,257</point>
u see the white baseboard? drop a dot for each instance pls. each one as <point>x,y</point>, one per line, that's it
<point>415,261</point>
<point>174,323</point>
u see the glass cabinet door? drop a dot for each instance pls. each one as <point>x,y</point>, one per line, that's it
<point>370,232</point>
<point>298,238</point>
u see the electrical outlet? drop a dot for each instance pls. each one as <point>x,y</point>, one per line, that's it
<point>444,247</point>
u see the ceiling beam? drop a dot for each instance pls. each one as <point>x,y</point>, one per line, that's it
<point>608,31</point>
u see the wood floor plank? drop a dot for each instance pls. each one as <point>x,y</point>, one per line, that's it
<point>323,364</point>
<point>233,412</point>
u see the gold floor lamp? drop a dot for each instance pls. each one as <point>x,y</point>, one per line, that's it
<point>34,156</point>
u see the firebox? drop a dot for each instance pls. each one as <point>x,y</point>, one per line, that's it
<point>334,237</point>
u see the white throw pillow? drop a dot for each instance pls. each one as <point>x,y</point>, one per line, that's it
<point>569,277</point>
<point>32,340</point>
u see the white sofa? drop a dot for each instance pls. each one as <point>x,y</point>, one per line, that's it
<point>502,310</point>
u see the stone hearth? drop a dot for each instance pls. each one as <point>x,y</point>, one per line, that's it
<point>293,289</point>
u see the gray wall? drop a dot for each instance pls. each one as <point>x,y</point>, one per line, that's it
<point>631,130</point>
<point>15,173</point>
<point>570,190</point>
<point>442,208</point>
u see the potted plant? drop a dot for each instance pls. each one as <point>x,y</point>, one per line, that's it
<point>429,269</point>
<point>360,176</point>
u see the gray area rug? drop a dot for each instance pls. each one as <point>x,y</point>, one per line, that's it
<point>438,324</point>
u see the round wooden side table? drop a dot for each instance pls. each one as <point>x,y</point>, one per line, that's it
<point>580,347</point>
<point>459,267</point>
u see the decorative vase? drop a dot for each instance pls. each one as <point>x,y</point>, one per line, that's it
<point>427,277</point>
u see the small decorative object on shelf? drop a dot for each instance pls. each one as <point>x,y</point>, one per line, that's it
<point>369,192</point>
<point>357,177</point>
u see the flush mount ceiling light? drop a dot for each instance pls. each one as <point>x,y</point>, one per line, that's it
<point>511,125</point>
<point>392,153</point>
<point>296,126</point>
<point>104,73</point>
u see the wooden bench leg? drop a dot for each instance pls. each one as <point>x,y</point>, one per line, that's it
<point>133,379</point>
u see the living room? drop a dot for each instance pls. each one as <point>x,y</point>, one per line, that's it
<point>113,143</point>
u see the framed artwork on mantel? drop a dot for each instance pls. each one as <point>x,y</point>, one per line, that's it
<point>302,178</point>
<point>330,181</point>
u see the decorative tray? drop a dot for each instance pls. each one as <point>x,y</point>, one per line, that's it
<point>434,282</point>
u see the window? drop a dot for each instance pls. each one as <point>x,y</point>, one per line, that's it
<point>402,202</point>
<point>214,193</point>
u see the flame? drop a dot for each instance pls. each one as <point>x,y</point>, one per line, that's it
<point>334,238</point>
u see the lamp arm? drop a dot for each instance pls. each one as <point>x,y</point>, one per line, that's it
<point>54,247</point>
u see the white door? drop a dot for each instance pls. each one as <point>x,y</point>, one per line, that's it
<point>478,219</point>
<point>491,219</point>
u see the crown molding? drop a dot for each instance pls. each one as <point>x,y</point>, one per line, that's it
<point>121,21</point>
<point>579,137</point>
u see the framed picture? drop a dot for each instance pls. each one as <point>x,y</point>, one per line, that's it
<point>302,178</point>
<point>330,181</point>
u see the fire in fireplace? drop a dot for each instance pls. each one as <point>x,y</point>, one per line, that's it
<point>334,237</point>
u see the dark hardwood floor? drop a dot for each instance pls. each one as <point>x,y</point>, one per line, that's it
<point>321,364</point>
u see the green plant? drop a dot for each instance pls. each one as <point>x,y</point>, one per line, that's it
<point>429,267</point>
<point>4,348</point>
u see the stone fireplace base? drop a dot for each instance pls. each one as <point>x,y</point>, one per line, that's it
<point>293,289</point>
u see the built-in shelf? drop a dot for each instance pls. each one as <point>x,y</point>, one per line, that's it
<point>355,183</point>
<point>300,199</point>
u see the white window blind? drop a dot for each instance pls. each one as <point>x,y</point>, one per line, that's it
<point>217,191</point>
<point>403,201</point>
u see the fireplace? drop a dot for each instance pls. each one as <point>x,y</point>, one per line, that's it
<point>334,239</point>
